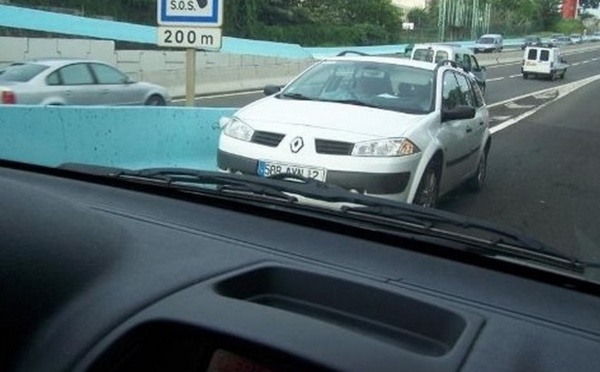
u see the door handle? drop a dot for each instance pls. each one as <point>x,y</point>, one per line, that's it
<point>481,123</point>
<point>469,130</point>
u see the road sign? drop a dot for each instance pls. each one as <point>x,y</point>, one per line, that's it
<point>198,13</point>
<point>208,38</point>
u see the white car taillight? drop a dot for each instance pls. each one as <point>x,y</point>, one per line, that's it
<point>8,97</point>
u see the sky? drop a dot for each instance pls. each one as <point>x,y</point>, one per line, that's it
<point>410,3</point>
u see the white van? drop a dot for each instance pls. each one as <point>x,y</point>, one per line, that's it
<point>543,61</point>
<point>465,58</point>
<point>489,43</point>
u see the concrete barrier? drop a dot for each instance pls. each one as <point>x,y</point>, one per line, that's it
<point>216,72</point>
<point>129,137</point>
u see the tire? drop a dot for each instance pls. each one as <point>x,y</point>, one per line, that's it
<point>477,182</point>
<point>562,75</point>
<point>525,76</point>
<point>155,100</point>
<point>429,186</point>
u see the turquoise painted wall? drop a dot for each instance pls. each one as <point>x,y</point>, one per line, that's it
<point>129,137</point>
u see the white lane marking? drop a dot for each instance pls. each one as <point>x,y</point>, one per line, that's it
<point>595,59</point>
<point>223,95</point>
<point>516,106</point>
<point>545,95</point>
<point>514,76</point>
<point>494,79</point>
<point>563,91</point>
<point>575,64</point>
<point>584,62</point>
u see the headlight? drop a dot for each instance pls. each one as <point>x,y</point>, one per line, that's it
<point>239,130</point>
<point>386,148</point>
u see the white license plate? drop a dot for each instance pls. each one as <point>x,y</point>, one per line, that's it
<point>266,169</point>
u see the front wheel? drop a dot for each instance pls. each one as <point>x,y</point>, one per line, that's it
<point>562,75</point>
<point>477,182</point>
<point>429,187</point>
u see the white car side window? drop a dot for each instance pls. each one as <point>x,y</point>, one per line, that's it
<point>451,93</point>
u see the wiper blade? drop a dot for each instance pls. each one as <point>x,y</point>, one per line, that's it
<point>298,96</point>
<point>491,240</point>
<point>196,180</point>
<point>355,102</point>
<point>286,187</point>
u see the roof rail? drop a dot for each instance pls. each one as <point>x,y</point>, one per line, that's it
<point>346,52</point>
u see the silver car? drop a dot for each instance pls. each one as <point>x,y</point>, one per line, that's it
<point>75,82</point>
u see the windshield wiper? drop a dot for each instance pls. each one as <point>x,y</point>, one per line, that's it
<point>473,235</point>
<point>297,96</point>
<point>491,240</point>
<point>355,102</point>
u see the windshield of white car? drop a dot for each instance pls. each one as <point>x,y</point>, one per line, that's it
<point>385,86</point>
<point>21,73</point>
<point>486,40</point>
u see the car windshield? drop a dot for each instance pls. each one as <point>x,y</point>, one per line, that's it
<point>381,85</point>
<point>182,161</point>
<point>460,128</point>
<point>21,73</point>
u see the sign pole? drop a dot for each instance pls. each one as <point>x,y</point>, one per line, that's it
<point>190,83</point>
<point>193,25</point>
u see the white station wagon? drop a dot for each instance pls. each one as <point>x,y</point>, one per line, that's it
<point>399,129</point>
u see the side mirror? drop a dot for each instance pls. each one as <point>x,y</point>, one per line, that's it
<point>271,89</point>
<point>458,113</point>
<point>562,60</point>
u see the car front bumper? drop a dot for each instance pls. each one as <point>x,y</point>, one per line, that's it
<point>392,185</point>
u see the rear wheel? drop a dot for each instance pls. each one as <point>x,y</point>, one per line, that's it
<point>562,75</point>
<point>525,76</point>
<point>429,187</point>
<point>155,100</point>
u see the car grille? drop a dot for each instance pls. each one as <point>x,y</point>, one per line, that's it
<point>267,138</point>
<point>333,147</point>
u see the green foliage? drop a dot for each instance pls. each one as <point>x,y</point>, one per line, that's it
<point>569,26</point>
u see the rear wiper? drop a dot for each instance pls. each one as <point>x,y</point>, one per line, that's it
<point>491,240</point>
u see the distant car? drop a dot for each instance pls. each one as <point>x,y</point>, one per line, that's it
<point>489,43</point>
<point>562,40</point>
<point>454,52</point>
<point>576,38</point>
<point>395,128</point>
<point>75,82</point>
<point>543,61</point>
<point>531,41</point>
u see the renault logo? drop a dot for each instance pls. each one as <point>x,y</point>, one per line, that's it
<point>297,144</point>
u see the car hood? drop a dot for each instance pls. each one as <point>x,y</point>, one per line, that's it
<point>328,115</point>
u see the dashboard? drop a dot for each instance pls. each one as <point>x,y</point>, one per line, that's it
<point>103,275</point>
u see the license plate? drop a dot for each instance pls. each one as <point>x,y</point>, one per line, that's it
<point>530,63</point>
<point>266,169</point>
